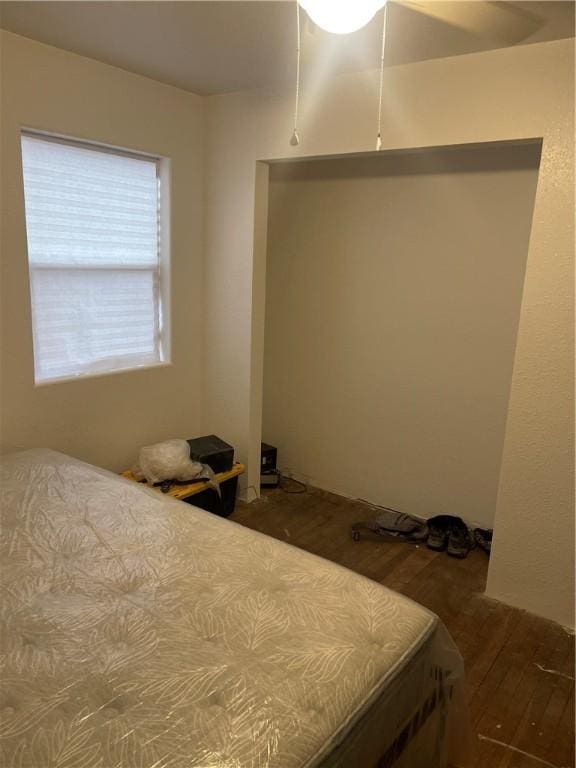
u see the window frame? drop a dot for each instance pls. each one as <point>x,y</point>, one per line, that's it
<point>162,276</point>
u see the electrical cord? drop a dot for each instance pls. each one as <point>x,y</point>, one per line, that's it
<point>380,89</point>
<point>283,479</point>
<point>295,139</point>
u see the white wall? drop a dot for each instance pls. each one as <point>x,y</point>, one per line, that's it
<point>393,290</point>
<point>215,382</point>
<point>513,93</point>
<point>106,419</point>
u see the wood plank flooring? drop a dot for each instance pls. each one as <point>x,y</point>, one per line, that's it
<point>519,667</point>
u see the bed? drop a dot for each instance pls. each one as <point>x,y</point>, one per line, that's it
<point>141,632</point>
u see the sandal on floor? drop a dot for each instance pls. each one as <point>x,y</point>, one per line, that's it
<point>391,524</point>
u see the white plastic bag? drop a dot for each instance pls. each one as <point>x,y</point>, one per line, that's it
<point>169,460</point>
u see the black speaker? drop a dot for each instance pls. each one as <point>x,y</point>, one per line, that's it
<point>269,477</point>
<point>213,451</point>
<point>269,456</point>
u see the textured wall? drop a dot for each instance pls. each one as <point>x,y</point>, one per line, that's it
<point>393,296</point>
<point>104,419</point>
<point>513,93</point>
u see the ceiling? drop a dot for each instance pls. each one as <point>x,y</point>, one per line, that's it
<point>221,46</point>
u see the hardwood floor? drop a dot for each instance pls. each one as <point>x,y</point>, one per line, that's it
<point>519,668</point>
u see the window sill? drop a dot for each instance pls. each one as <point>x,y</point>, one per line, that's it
<point>100,374</point>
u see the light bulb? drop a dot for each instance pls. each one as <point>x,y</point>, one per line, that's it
<point>341,16</point>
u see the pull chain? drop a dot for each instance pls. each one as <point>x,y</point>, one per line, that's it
<point>379,135</point>
<point>295,138</point>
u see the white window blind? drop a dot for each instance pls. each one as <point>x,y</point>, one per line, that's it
<point>92,219</point>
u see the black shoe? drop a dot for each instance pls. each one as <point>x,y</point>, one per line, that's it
<point>437,538</point>
<point>459,541</point>
<point>483,537</point>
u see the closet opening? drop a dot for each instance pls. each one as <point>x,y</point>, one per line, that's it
<point>393,290</point>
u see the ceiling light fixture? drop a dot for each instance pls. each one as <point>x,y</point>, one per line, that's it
<point>341,16</point>
<point>339,4</point>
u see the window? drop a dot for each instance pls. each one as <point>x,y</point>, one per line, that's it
<point>93,226</point>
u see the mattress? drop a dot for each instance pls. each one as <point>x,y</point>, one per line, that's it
<point>141,632</point>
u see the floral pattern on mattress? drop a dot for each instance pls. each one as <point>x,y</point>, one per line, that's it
<point>141,632</point>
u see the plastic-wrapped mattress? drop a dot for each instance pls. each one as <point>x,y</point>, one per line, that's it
<point>141,632</point>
